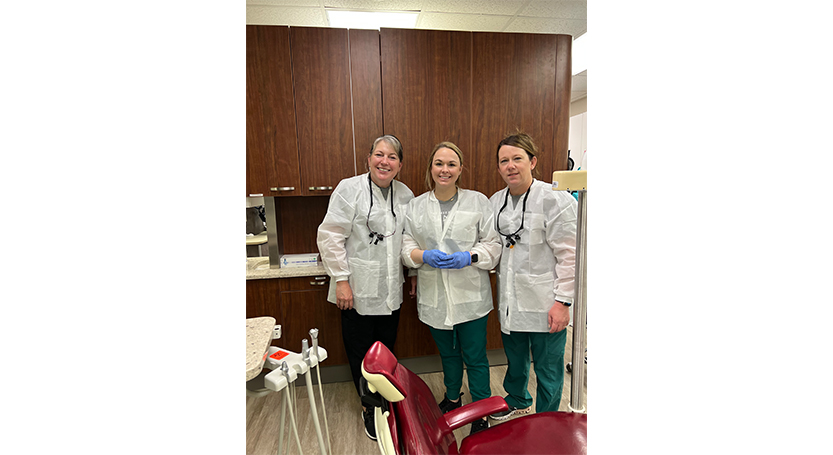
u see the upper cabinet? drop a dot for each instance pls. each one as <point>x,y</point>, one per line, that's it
<point>515,84</point>
<point>271,145</point>
<point>321,73</point>
<point>366,74</point>
<point>315,102</point>
<point>426,82</point>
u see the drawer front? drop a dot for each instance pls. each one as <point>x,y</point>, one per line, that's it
<point>306,283</point>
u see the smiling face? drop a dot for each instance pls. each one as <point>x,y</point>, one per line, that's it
<point>515,167</point>
<point>384,164</point>
<point>445,168</point>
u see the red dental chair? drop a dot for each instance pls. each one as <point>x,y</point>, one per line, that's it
<point>409,422</point>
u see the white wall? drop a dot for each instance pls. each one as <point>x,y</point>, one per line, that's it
<point>578,133</point>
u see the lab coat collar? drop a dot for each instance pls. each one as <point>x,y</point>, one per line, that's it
<point>436,216</point>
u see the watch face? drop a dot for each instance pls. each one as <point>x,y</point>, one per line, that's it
<point>474,258</point>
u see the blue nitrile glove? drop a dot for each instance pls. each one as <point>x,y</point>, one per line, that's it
<point>458,260</point>
<point>435,258</point>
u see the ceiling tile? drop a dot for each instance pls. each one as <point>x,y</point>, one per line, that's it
<point>580,81</point>
<point>561,9</point>
<point>505,8</point>
<point>387,5</point>
<point>465,22</point>
<point>574,27</point>
<point>285,15</point>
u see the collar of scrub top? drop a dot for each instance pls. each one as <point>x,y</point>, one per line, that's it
<point>376,237</point>
<point>510,238</point>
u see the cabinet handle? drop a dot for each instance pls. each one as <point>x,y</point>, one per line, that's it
<point>320,188</point>
<point>318,283</point>
<point>256,195</point>
<point>283,188</point>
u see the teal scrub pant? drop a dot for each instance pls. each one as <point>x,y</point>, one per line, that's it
<point>465,343</point>
<point>548,355</point>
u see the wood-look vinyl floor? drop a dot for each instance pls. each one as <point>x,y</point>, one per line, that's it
<point>344,414</point>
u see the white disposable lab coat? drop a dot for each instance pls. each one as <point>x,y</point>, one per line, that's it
<point>348,253</point>
<point>541,266</point>
<point>446,297</point>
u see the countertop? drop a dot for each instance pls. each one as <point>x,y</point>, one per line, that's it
<point>258,338</point>
<point>257,268</point>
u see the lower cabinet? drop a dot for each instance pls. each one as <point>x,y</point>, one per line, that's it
<point>300,304</point>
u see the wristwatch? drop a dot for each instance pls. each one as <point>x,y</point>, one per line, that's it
<point>473,258</point>
<point>564,303</point>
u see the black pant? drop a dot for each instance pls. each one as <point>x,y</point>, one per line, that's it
<point>360,332</point>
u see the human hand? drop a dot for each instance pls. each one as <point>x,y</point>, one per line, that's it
<point>435,258</point>
<point>558,318</point>
<point>413,286</point>
<point>344,295</point>
<point>458,260</point>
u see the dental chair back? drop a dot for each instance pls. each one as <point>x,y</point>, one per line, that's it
<point>416,425</point>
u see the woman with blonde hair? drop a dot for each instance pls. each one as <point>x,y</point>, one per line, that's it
<point>450,239</point>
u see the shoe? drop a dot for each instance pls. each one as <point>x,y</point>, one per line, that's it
<point>447,405</point>
<point>479,425</point>
<point>369,423</point>
<point>513,411</point>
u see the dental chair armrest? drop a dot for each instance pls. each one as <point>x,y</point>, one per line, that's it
<point>473,411</point>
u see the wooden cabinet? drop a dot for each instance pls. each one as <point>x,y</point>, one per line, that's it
<point>271,145</point>
<point>321,72</point>
<point>300,304</point>
<point>314,102</point>
<point>426,81</point>
<point>263,298</point>
<point>516,83</point>
<point>304,306</point>
<point>366,74</point>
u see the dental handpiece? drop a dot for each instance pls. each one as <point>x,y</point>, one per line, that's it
<point>285,370</point>
<point>313,334</point>
<point>305,350</point>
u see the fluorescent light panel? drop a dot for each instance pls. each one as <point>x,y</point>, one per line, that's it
<point>371,19</point>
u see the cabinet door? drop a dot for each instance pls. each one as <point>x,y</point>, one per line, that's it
<point>426,81</point>
<point>271,145</point>
<point>515,87</point>
<point>366,74</point>
<point>413,338</point>
<point>321,73</point>
<point>263,299</point>
<point>304,306</point>
<point>493,338</point>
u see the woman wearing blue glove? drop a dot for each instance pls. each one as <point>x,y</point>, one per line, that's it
<point>450,238</point>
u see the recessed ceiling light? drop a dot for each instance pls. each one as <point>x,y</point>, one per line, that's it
<point>371,19</point>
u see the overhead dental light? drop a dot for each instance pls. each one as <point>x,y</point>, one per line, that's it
<point>371,19</point>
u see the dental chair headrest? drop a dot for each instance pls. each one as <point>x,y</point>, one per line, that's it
<point>379,367</point>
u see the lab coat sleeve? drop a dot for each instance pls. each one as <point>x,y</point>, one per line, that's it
<point>334,231</point>
<point>561,238</point>
<point>408,242</point>
<point>488,247</point>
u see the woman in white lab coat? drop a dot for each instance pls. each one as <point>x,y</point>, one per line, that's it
<point>536,276</point>
<point>450,238</point>
<point>360,240</point>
